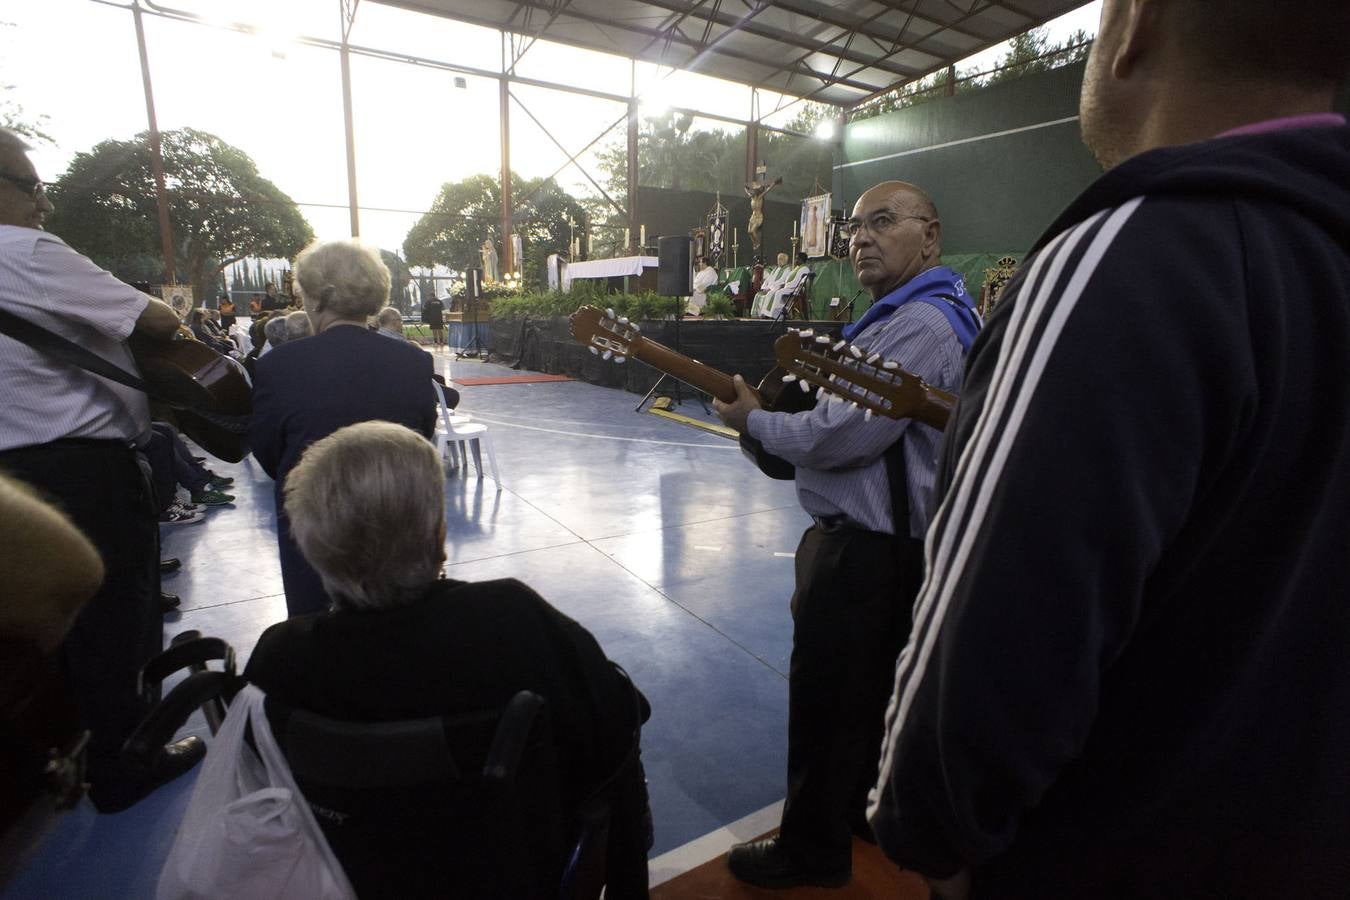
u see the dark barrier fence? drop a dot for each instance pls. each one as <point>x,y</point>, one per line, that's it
<point>546,345</point>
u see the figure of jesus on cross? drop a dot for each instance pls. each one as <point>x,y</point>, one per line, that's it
<point>756,190</point>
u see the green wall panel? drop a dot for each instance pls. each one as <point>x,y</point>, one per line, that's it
<point>1000,163</point>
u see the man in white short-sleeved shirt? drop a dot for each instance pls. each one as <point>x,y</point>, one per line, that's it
<point>73,435</point>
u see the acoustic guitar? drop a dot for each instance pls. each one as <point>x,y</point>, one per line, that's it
<point>810,366</point>
<point>209,394</point>
<point>614,337</point>
<point>868,381</point>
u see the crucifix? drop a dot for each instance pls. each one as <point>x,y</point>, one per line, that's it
<point>756,190</point>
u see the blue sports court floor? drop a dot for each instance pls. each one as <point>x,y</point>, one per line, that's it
<point>658,537</point>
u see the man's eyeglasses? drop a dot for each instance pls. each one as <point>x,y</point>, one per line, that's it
<point>878,224</point>
<point>30,186</point>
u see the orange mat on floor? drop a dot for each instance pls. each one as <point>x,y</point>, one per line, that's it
<point>511,379</point>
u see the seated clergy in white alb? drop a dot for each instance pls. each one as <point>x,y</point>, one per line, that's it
<point>773,281</point>
<point>705,276</point>
<point>792,279</point>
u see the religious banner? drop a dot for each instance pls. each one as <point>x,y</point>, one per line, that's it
<point>815,225</point>
<point>717,233</point>
<point>178,296</point>
<point>839,237</point>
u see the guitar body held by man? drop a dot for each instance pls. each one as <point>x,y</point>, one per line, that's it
<point>867,482</point>
<point>74,435</point>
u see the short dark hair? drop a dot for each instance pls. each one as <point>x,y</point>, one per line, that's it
<point>1304,42</point>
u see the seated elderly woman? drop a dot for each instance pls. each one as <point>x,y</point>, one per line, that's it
<point>367,507</point>
<point>306,390</point>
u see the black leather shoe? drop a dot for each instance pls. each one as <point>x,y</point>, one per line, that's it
<point>137,783</point>
<point>172,564</point>
<point>767,864</point>
<point>169,602</point>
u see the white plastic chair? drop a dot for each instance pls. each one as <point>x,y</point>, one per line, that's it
<point>458,431</point>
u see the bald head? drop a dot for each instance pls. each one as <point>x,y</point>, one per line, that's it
<point>896,235</point>
<point>22,200</point>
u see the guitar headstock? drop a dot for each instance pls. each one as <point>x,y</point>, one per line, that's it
<point>834,366</point>
<point>605,333</point>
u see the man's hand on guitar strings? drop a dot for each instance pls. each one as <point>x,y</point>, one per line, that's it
<point>734,414</point>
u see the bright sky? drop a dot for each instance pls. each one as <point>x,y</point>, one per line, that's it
<point>76,62</point>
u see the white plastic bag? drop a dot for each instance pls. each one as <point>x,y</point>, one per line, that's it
<point>248,834</point>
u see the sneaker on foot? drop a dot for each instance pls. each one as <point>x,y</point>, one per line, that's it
<point>209,497</point>
<point>218,481</point>
<point>177,514</point>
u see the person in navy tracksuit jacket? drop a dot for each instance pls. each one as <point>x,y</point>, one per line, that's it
<point>1129,674</point>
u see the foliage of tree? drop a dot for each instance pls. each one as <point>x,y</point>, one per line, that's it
<point>467,212</point>
<point>399,279</point>
<point>1032,51</point>
<point>221,210</point>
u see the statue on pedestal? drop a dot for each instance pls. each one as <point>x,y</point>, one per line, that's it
<point>489,254</point>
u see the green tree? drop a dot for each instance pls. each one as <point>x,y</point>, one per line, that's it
<point>221,210</point>
<point>467,212</point>
<point>399,279</point>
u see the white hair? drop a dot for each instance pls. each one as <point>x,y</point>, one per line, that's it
<point>367,508</point>
<point>344,277</point>
<point>298,326</point>
<point>390,317</point>
<point>275,329</point>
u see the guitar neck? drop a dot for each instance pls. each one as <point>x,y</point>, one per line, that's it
<point>690,371</point>
<point>936,409</point>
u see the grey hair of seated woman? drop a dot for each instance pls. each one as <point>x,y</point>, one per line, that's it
<point>275,329</point>
<point>341,282</point>
<point>367,508</point>
<point>298,326</point>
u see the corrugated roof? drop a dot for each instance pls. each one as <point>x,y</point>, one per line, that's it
<point>838,53</point>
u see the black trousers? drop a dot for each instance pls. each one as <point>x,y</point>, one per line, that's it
<point>101,487</point>
<point>851,616</point>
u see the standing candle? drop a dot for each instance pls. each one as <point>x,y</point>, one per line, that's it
<point>590,246</point>
<point>794,227</point>
<point>627,238</point>
<point>642,235</point>
<point>733,237</point>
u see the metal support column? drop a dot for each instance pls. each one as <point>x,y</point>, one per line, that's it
<point>633,230</point>
<point>156,157</point>
<point>752,138</point>
<point>348,13</point>
<point>506,174</point>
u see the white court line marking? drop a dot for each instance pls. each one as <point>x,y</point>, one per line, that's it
<point>605,437</point>
<point>788,555</point>
<point>676,862</point>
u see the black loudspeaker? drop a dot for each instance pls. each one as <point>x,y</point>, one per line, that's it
<point>675,276</point>
<point>473,284</point>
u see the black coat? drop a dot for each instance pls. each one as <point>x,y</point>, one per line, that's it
<point>307,389</point>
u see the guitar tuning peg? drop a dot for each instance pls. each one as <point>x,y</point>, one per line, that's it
<point>808,332</point>
<point>610,312</point>
<point>620,359</point>
<point>823,340</point>
<point>789,378</point>
<point>867,415</point>
<point>595,351</point>
<point>857,354</point>
<point>636,327</point>
<point>890,365</point>
<point>607,354</point>
<point>794,330</point>
<point>820,392</point>
<point>839,346</point>
<point>805,386</point>
<point>623,320</point>
<point>872,360</point>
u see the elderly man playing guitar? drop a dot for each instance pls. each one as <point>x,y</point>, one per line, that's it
<point>73,435</point>
<point>867,482</point>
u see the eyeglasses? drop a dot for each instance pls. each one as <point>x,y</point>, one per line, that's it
<point>879,224</point>
<point>30,186</point>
